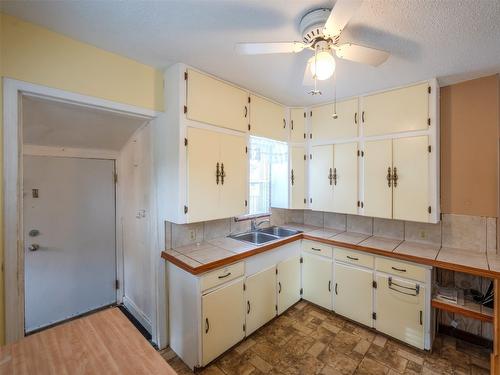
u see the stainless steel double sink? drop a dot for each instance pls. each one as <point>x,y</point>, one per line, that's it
<point>260,236</point>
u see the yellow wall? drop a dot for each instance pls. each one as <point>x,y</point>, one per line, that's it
<point>36,55</point>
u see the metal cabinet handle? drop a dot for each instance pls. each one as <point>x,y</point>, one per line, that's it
<point>421,318</point>
<point>414,291</point>
<point>217,173</point>
<point>224,276</point>
<point>363,116</point>
<point>207,325</point>
<point>336,289</point>
<point>335,176</point>
<point>315,249</point>
<point>395,177</point>
<point>279,287</point>
<point>352,258</point>
<point>389,176</point>
<point>291,124</point>
<point>398,269</point>
<point>292,178</point>
<point>356,118</point>
<point>284,123</point>
<point>246,111</point>
<point>329,285</point>
<point>222,173</point>
<point>248,307</point>
<point>330,176</point>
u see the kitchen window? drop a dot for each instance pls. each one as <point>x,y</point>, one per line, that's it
<point>268,175</point>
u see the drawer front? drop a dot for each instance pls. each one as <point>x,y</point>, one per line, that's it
<point>403,269</point>
<point>222,275</point>
<point>354,257</point>
<point>317,248</point>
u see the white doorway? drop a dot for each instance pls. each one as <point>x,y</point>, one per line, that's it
<point>69,237</point>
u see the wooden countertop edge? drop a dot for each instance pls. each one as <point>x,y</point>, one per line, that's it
<point>237,257</point>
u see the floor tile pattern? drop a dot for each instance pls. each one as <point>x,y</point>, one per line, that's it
<point>308,340</point>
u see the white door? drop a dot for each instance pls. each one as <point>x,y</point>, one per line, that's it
<point>321,178</point>
<point>223,319</point>
<point>377,199</point>
<point>317,280</point>
<point>297,178</point>
<point>399,305</point>
<point>326,128</point>
<point>69,212</point>
<point>353,293</point>
<point>288,283</point>
<point>267,119</point>
<point>345,178</point>
<point>260,292</point>
<point>411,189</point>
<point>297,125</point>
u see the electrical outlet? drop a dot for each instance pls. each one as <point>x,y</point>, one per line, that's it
<point>423,234</point>
<point>192,234</point>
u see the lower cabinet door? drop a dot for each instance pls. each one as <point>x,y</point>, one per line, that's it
<point>223,316</point>
<point>260,292</point>
<point>288,283</point>
<point>400,309</point>
<point>317,280</point>
<point>353,293</point>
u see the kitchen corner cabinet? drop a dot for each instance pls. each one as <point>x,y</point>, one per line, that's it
<point>396,179</point>
<point>297,125</point>
<point>297,177</point>
<point>400,110</point>
<point>260,295</point>
<point>324,128</point>
<point>216,175</point>
<point>288,283</point>
<point>214,102</point>
<point>317,280</point>
<point>267,119</point>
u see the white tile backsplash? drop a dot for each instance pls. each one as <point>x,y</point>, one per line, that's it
<point>360,224</point>
<point>316,218</point>
<point>216,229</point>
<point>426,233</point>
<point>389,228</point>
<point>464,232</point>
<point>335,221</point>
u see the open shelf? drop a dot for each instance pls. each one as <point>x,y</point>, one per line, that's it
<point>469,309</point>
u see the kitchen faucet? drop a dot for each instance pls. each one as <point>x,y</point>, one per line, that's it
<point>254,225</point>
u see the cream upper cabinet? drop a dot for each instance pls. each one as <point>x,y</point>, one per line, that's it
<point>321,178</point>
<point>214,102</point>
<point>216,175</point>
<point>267,119</point>
<point>297,125</point>
<point>234,179</point>
<point>223,318</point>
<point>317,280</point>
<point>411,188</point>
<point>260,293</point>
<point>377,188</point>
<point>325,128</point>
<point>288,283</point>
<point>345,178</point>
<point>353,293</point>
<point>394,111</point>
<point>297,177</point>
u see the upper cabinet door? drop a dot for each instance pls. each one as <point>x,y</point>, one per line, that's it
<point>234,181</point>
<point>321,178</point>
<point>203,154</point>
<point>297,178</point>
<point>396,111</point>
<point>377,188</point>
<point>325,128</point>
<point>297,125</point>
<point>345,178</point>
<point>267,119</point>
<point>215,102</point>
<point>411,188</point>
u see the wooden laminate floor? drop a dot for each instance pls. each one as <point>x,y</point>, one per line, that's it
<point>307,340</point>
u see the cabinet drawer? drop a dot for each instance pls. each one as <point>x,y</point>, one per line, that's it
<point>222,275</point>
<point>317,248</point>
<point>399,268</point>
<point>354,257</point>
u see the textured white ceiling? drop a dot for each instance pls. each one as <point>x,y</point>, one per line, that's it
<point>50,123</point>
<point>449,39</point>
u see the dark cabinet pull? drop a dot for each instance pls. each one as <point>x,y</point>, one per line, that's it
<point>315,249</point>
<point>291,124</point>
<point>329,285</point>
<point>222,173</point>
<point>398,269</point>
<point>284,123</point>
<point>356,118</point>
<point>330,176</point>
<point>217,173</point>
<point>246,111</point>
<point>224,276</point>
<point>335,176</point>
<point>352,258</point>
<point>207,325</point>
<point>279,287</point>
<point>292,178</point>
<point>363,116</point>
<point>389,176</point>
<point>395,177</point>
<point>421,318</point>
<point>336,289</point>
<point>248,307</point>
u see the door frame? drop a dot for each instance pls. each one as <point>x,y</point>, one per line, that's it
<point>13,242</point>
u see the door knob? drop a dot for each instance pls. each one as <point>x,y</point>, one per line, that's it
<point>34,247</point>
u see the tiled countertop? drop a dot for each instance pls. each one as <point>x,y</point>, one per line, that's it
<point>202,257</point>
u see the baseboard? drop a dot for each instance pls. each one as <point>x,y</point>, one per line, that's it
<point>137,313</point>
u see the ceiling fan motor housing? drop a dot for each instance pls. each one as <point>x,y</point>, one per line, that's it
<point>312,24</point>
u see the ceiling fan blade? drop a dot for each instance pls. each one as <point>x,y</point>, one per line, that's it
<point>265,48</point>
<point>361,54</point>
<point>341,13</point>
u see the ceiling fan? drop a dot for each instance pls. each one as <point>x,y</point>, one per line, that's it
<point>321,30</point>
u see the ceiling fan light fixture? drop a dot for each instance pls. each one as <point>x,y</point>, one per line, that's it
<point>323,65</point>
